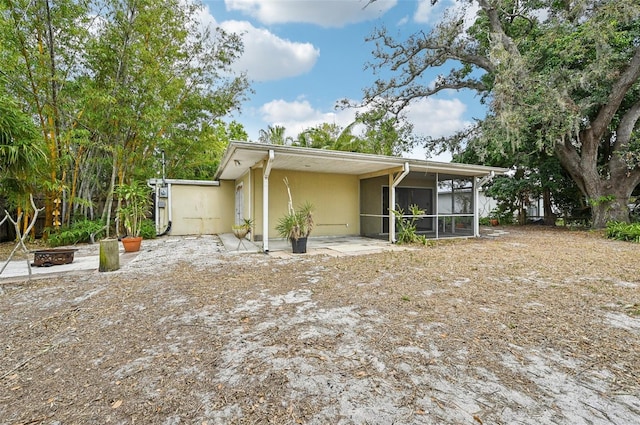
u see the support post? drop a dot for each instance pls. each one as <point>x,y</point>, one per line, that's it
<point>394,181</point>
<point>266,171</point>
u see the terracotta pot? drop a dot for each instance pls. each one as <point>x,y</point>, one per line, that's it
<point>494,222</point>
<point>131,244</point>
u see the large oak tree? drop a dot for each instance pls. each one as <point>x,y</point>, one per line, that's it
<point>558,76</point>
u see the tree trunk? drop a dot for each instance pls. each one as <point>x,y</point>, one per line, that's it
<point>608,197</point>
<point>609,206</point>
<point>106,213</point>
<point>549,216</point>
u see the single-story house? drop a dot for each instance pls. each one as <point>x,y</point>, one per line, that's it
<point>351,193</point>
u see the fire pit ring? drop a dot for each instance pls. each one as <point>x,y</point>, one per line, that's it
<point>53,257</point>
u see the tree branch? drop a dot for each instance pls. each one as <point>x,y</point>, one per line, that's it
<point>497,29</point>
<point>626,126</point>
<point>619,90</point>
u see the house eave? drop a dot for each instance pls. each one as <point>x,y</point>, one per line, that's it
<point>240,156</point>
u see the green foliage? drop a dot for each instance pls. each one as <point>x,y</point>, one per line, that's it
<point>21,154</point>
<point>503,213</point>
<point>297,223</point>
<point>566,85</point>
<point>484,221</point>
<point>148,229</point>
<point>382,134</point>
<point>512,195</point>
<point>602,200</point>
<point>135,204</point>
<point>623,231</point>
<point>108,84</point>
<point>81,231</point>
<point>196,154</point>
<point>246,226</point>
<point>406,226</point>
<point>274,135</point>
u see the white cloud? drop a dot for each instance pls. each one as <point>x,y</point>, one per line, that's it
<point>318,12</point>
<point>269,57</point>
<point>205,18</point>
<point>425,11</point>
<point>436,118</point>
<point>430,117</point>
<point>300,115</point>
<point>403,21</point>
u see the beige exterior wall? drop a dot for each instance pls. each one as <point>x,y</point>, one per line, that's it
<point>202,210</point>
<point>334,197</point>
<point>256,202</point>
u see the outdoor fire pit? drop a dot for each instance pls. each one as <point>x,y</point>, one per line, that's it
<point>53,257</point>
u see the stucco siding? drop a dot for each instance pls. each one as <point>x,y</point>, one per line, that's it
<point>334,197</point>
<point>202,210</point>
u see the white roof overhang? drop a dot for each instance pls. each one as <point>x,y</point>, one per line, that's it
<point>242,156</point>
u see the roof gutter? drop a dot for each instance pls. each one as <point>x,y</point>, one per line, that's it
<point>484,180</point>
<point>266,171</point>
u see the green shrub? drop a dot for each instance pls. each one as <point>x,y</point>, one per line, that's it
<point>80,231</point>
<point>407,226</point>
<point>623,231</point>
<point>148,229</point>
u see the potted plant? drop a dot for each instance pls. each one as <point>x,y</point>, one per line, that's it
<point>135,203</point>
<point>296,225</point>
<point>494,217</point>
<point>242,230</point>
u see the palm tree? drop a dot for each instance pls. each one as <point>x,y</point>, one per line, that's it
<point>274,136</point>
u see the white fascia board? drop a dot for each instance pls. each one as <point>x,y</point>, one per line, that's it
<point>184,182</point>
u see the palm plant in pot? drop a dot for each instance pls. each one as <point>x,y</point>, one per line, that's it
<point>134,205</point>
<point>296,225</point>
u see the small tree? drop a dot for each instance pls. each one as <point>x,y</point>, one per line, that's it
<point>135,203</point>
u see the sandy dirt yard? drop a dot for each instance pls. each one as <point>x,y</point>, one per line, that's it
<point>539,326</point>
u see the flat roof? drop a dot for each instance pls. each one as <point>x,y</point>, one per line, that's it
<point>241,156</point>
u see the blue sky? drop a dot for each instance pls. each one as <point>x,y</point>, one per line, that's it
<point>302,56</point>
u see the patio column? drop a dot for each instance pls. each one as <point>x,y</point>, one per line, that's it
<point>393,182</point>
<point>476,225</point>
<point>477,185</point>
<point>437,202</point>
<point>266,170</point>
